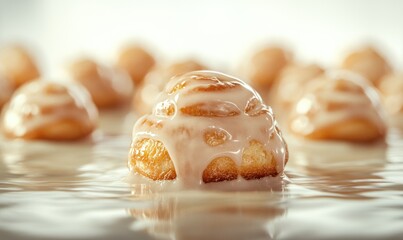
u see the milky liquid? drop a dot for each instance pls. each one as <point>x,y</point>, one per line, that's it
<point>81,190</point>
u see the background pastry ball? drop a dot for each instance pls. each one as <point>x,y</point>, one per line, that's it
<point>6,90</point>
<point>340,105</point>
<point>292,81</point>
<point>17,65</point>
<point>367,62</point>
<point>391,88</point>
<point>136,61</point>
<point>107,86</point>
<point>207,127</point>
<point>49,111</point>
<point>264,66</point>
<point>155,81</point>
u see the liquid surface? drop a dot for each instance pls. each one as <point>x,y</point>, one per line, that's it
<point>81,190</point>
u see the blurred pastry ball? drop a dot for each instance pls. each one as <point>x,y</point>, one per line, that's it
<point>291,83</point>
<point>264,66</point>
<point>136,61</point>
<point>108,86</point>
<point>340,105</point>
<point>49,111</point>
<point>17,65</point>
<point>207,127</point>
<point>6,90</point>
<point>156,80</point>
<point>367,62</point>
<point>391,89</point>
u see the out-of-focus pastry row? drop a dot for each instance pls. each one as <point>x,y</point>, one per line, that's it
<point>344,102</point>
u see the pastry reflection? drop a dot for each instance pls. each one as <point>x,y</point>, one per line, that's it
<point>49,166</point>
<point>325,167</point>
<point>207,215</point>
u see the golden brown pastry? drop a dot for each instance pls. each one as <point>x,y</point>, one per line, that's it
<point>155,81</point>
<point>391,88</point>
<point>17,65</point>
<point>136,61</point>
<point>6,90</point>
<point>107,86</point>
<point>340,105</point>
<point>207,127</point>
<point>49,111</point>
<point>264,66</point>
<point>291,83</point>
<point>367,62</point>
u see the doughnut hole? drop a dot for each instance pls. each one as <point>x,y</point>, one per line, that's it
<point>257,162</point>
<point>151,159</point>
<point>220,169</point>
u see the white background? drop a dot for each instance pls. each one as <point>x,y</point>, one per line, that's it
<point>218,32</point>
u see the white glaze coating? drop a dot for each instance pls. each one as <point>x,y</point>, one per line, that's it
<point>357,100</point>
<point>25,112</point>
<point>182,134</point>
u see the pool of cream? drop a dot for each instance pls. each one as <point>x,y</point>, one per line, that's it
<point>82,190</point>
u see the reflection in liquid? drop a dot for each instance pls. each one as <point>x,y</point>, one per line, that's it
<point>79,190</point>
<point>332,171</point>
<point>209,215</point>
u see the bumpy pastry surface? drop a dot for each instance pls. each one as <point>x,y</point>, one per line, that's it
<point>49,111</point>
<point>264,66</point>
<point>367,62</point>
<point>107,86</point>
<point>155,81</point>
<point>207,127</point>
<point>136,61</point>
<point>340,105</point>
<point>17,65</point>
<point>391,88</point>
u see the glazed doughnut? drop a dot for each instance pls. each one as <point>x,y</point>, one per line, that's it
<point>136,61</point>
<point>291,83</point>
<point>391,88</point>
<point>367,62</point>
<point>207,127</point>
<point>49,111</point>
<point>263,67</point>
<point>340,105</point>
<point>107,86</point>
<point>17,65</point>
<point>155,81</point>
<point>6,90</point>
